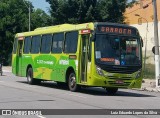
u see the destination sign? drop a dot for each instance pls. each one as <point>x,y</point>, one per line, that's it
<point>116,30</point>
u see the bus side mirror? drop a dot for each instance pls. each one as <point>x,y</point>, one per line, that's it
<point>93,37</point>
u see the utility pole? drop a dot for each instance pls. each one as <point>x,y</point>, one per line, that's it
<point>29,16</point>
<point>157,76</point>
<point>29,8</point>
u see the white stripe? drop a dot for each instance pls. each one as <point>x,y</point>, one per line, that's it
<point>40,116</point>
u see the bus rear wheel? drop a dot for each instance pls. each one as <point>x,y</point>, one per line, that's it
<point>72,82</point>
<point>111,91</point>
<point>30,78</point>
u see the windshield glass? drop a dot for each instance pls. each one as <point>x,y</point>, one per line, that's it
<point>117,50</point>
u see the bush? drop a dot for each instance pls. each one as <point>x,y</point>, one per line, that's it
<point>149,72</point>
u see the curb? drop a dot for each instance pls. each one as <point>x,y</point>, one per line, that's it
<point>148,89</point>
<point>148,85</point>
<point>7,71</point>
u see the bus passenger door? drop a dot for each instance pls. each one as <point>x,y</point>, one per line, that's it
<point>84,57</point>
<point>19,57</point>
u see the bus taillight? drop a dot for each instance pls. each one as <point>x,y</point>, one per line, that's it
<point>86,31</point>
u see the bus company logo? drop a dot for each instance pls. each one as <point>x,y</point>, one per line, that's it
<point>45,62</point>
<point>6,112</point>
<point>63,62</point>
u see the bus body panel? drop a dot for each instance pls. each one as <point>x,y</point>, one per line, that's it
<point>54,66</point>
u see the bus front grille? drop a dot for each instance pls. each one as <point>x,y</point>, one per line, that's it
<point>122,78</point>
<point>119,69</point>
<point>113,83</point>
<point>119,81</point>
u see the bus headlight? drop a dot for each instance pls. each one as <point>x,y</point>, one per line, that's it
<point>138,75</point>
<point>99,71</point>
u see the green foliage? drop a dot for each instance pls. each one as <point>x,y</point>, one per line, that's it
<point>39,19</point>
<point>14,19</point>
<point>81,11</point>
<point>149,72</point>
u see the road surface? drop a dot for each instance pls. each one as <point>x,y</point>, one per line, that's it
<point>15,93</point>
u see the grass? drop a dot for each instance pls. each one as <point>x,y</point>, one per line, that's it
<point>149,72</point>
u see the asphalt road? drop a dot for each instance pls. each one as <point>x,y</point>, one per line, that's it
<point>15,93</point>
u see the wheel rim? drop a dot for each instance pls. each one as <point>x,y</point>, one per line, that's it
<point>29,77</point>
<point>72,81</point>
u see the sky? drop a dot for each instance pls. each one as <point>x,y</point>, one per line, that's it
<point>42,4</point>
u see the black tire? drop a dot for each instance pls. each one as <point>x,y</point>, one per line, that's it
<point>111,91</point>
<point>30,78</point>
<point>72,84</point>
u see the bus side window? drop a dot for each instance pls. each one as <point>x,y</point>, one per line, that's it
<point>46,43</point>
<point>71,41</point>
<point>27,45</point>
<point>57,43</point>
<point>36,43</point>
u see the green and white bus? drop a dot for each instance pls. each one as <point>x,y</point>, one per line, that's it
<point>96,54</point>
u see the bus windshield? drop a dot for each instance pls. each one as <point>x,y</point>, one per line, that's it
<point>117,50</point>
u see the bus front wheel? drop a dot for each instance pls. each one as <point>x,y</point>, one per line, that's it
<point>72,82</point>
<point>111,91</point>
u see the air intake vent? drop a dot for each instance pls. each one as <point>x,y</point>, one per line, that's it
<point>120,69</point>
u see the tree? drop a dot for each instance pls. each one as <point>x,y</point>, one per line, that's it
<point>14,19</point>
<point>80,11</point>
<point>39,19</point>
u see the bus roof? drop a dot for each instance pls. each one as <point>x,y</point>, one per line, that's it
<point>67,27</point>
<point>57,28</point>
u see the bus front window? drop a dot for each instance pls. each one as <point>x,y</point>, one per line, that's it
<point>117,50</point>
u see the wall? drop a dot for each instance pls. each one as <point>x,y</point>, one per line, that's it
<point>147,16</point>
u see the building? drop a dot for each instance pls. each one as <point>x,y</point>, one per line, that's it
<point>143,12</point>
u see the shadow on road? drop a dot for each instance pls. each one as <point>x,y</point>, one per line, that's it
<point>97,91</point>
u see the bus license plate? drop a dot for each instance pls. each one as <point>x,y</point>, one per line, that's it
<point>119,82</point>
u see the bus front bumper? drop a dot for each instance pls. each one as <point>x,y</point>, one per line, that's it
<point>122,82</point>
